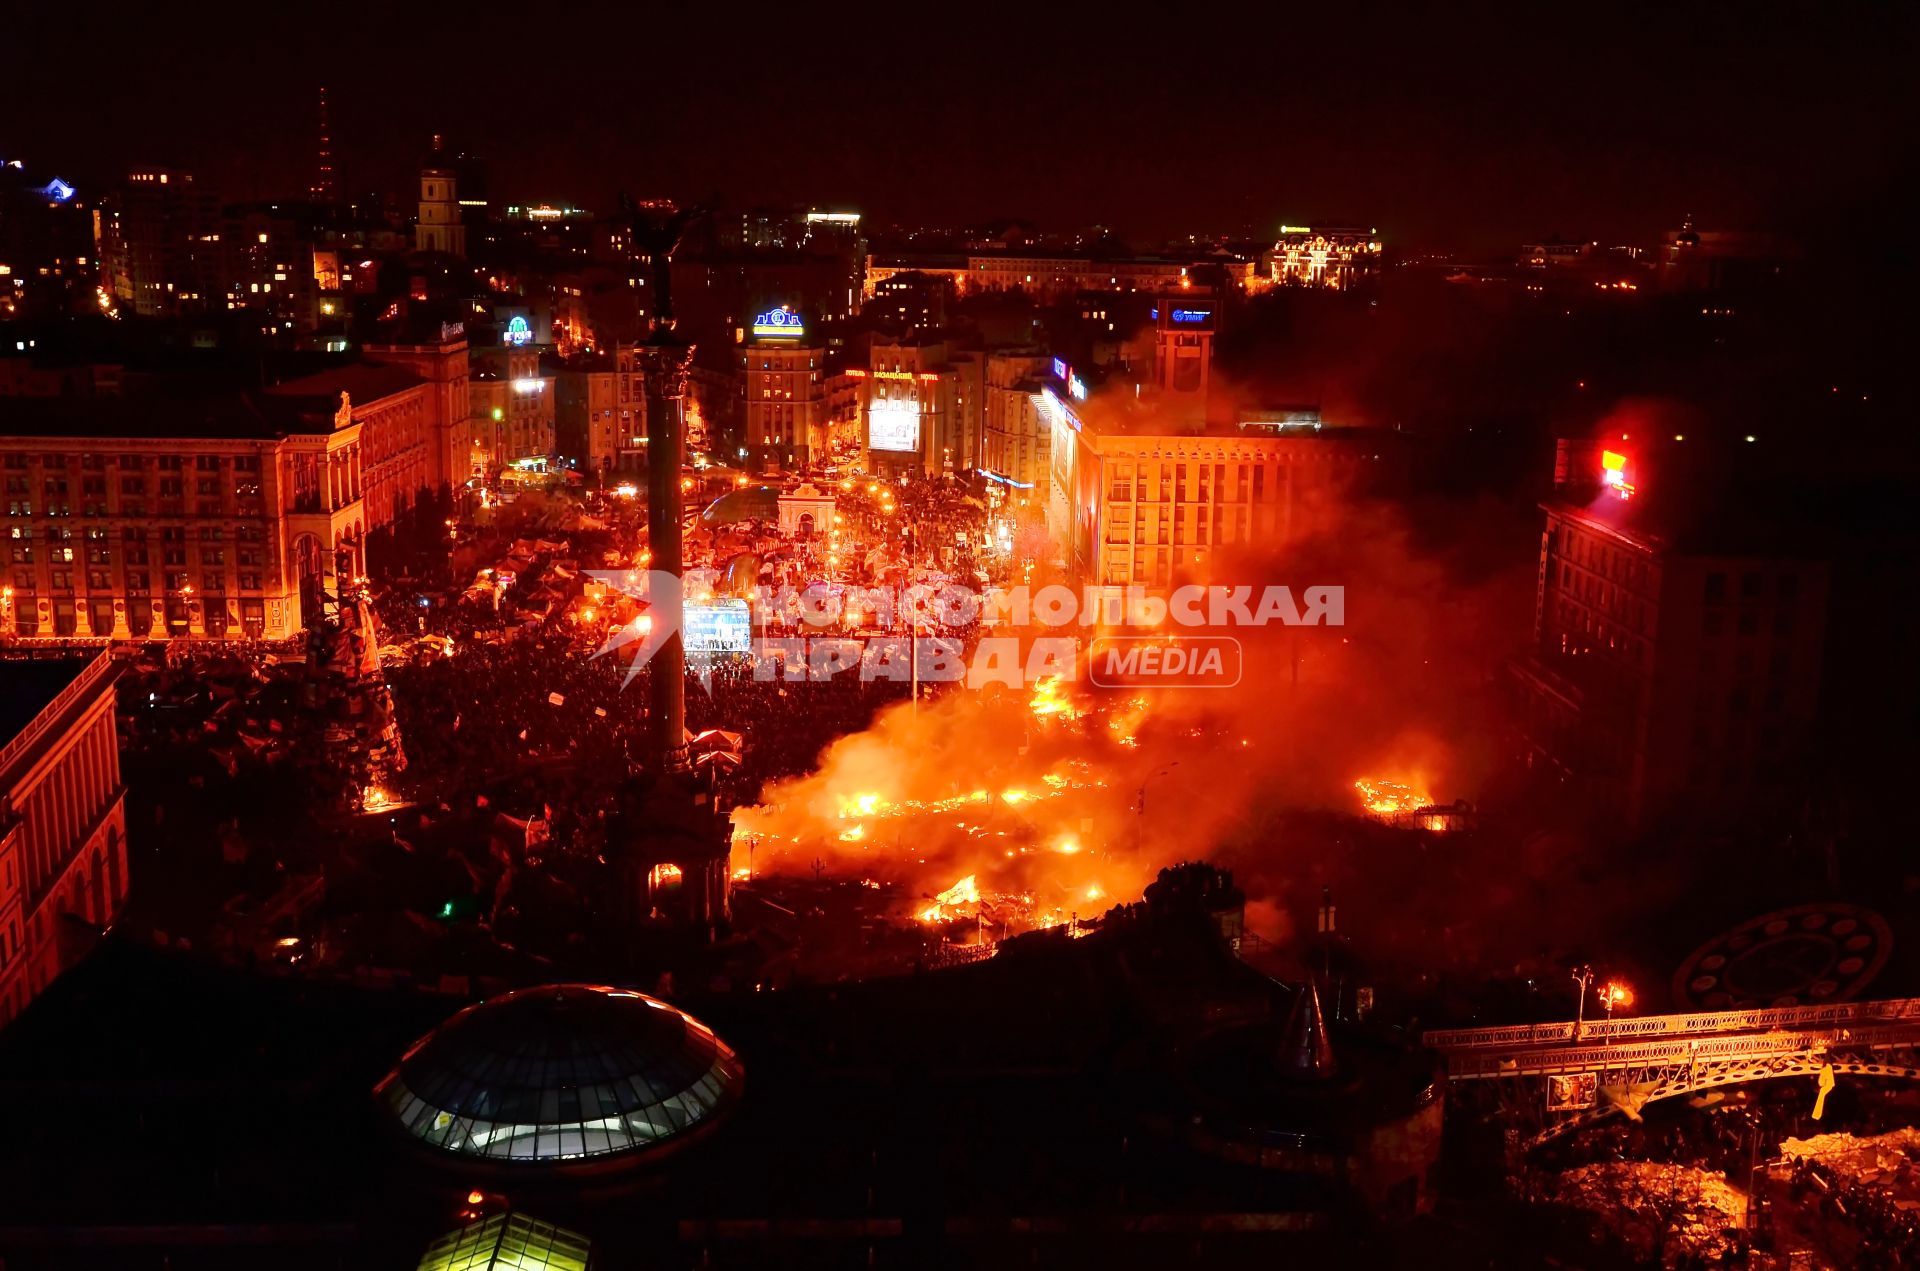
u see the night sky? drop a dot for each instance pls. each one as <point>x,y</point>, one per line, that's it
<point>1471,129</point>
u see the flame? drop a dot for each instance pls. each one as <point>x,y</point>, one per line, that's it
<point>861,805</point>
<point>1123,723</point>
<point>964,892</point>
<point>1049,701</point>
<point>1040,836</point>
<point>1382,797</point>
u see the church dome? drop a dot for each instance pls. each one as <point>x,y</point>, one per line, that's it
<point>562,1073</point>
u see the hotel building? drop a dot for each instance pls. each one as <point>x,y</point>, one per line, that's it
<point>217,516</point>
<point>63,829</point>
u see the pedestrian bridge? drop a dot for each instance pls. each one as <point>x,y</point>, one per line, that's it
<point>1638,1060</point>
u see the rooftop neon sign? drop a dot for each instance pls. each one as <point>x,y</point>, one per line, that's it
<point>518,332</point>
<point>780,324</point>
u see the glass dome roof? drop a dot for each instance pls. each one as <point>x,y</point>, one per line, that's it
<point>560,1073</point>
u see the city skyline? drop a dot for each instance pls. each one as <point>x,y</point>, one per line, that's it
<point>1611,131</point>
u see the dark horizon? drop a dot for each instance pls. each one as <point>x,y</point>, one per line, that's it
<point>1468,134</point>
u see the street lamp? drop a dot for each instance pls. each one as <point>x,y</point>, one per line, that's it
<point>1582,976</point>
<point>1613,994</point>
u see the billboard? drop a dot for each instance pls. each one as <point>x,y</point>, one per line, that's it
<point>721,626</point>
<point>893,425</point>
<point>1574,1092</point>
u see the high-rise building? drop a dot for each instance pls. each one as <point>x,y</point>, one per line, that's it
<point>158,241</point>
<point>63,823</point>
<point>1675,667</point>
<point>1184,322</point>
<point>1018,437</point>
<point>784,374</point>
<point>441,227</point>
<point>586,414</point>
<point>48,265</point>
<point>923,409</point>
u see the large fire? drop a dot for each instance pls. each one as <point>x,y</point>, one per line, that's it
<point>1384,798</point>
<point>1016,802</point>
<point>988,813</point>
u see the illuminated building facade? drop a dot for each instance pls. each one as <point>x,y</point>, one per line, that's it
<point>1674,670</point>
<point>786,401</point>
<point>513,406</point>
<point>1151,504</point>
<point>909,303</point>
<point>1047,278</point>
<point>214,517</point>
<point>586,414</point>
<point>63,827</point>
<point>158,240</point>
<point>922,409</point>
<point>1335,258</point>
<point>1184,323</point>
<point>441,227</point>
<point>48,265</point>
<point>1018,439</point>
<point>1692,259</point>
<point>630,399</point>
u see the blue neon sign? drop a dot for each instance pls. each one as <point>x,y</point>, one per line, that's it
<point>518,332</point>
<point>780,324</point>
<point>1060,368</point>
<point>1192,315</point>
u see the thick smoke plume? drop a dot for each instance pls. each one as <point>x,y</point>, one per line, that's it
<point>1071,799</point>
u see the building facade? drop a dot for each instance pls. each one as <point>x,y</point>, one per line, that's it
<point>784,374</point>
<point>1156,508</point>
<point>923,408</point>
<point>586,414</point>
<point>48,265</point>
<point>220,517</point>
<point>1018,438</point>
<point>1046,277</point>
<point>63,830</point>
<point>158,240</point>
<point>1334,258</point>
<point>1666,678</point>
<point>441,227</point>
<point>513,407</point>
<point>1184,323</point>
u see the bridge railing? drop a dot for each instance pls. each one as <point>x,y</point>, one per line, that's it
<point>1611,1056</point>
<point>1640,1027</point>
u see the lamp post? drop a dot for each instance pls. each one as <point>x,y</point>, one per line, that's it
<point>1582,976</point>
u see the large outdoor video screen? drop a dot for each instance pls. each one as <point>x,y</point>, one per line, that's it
<point>893,426</point>
<point>725,626</point>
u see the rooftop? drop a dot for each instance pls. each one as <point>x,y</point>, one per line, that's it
<point>27,688</point>
<point>224,416</point>
<point>561,1073</point>
<point>362,382</point>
